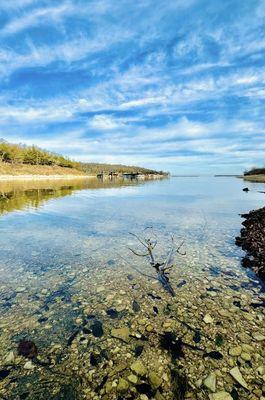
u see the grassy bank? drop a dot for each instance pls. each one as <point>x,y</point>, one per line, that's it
<point>28,169</point>
<point>254,178</point>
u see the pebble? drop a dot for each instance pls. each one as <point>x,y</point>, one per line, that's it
<point>21,289</point>
<point>245,356</point>
<point>236,374</point>
<point>29,365</point>
<point>155,380</point>
<point>138,368</point>
<point>10,358</point>
<point>221,396</point>
<point>235,351</point>
<point>133,379</point>
<point>123,385</point>
<point>121,333</point>
<point>208,319</point>
<point>258,337</point>
<point>210,382</point>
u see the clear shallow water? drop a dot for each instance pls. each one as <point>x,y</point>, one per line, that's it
<point>64,255</point>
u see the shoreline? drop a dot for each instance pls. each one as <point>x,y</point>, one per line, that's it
<point>31,177</point>
<point>41,177</point>
<point>252,241</point>
<point>253,178</point>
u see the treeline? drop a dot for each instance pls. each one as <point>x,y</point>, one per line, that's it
<point>22,154</point>
<point>94,168</point>
<point>255,171</point>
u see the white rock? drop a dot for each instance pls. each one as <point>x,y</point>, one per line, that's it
<point>258,337</point>
<point>221,396</point>
<point>20,289</point>
<point>210,382</point>
<point>10,358</point>
<point>236,374</point>
<point>208,319</point>
<point>29,365</point>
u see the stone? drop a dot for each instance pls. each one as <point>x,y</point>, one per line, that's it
<point>224,313</point>
<point>21,289</point>
<point>133,379</point>
<point>221,396</point>
<point>29,365</point>
<point>208,319</point>
<point>138,368</point>
<point>210,382</point>
<point>247,348</point>
<point>121,333</point>
<point>149,328</point>
<point>10,358</point>
<point>245,356</point>
<point>236,374</point>
<point>258,337</point>
<point>123,385</point>
<point>235,351</point>
<point>154,380</point>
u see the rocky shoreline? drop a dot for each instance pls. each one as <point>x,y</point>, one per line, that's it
<point>252,240</point>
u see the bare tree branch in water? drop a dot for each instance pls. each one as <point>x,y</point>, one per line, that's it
<point>162,268</point>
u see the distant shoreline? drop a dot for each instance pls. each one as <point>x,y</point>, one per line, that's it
<point>254,178</point>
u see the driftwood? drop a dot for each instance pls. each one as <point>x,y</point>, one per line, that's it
<point>162,268</point>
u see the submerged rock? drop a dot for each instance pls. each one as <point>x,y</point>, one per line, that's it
<point>27,348</point>
<point>136,306</point>
<point>4,373</point>
<point>138,351</point>
<point>236,374</point>
<point>112,313</point>
<point>155,380</point>
<point>208,319</point>
<point>121,333</point>
<point>210,382</point>
<point>97,329</point>
<point>197,337</point>
<point>29,365</point>
<point>215,355</point>
<point>10,358</point>
<point>133,379</point>
<point>235,351</point>
<point>221,396</point>
<point>123,385</point>
<point>138,368</point>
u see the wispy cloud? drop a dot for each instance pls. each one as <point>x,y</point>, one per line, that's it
<point>165,84</point>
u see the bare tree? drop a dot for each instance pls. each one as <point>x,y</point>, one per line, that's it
<point>163,267</point>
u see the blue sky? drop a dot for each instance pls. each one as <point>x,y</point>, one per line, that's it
<point>169,84</point>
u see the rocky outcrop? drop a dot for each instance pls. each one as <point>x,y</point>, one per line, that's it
<point>252,241</point>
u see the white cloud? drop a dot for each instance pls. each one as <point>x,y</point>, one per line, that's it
<point>36,17</point>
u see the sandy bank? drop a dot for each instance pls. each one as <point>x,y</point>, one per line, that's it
<point>254,178</point>
<point>41,177</point>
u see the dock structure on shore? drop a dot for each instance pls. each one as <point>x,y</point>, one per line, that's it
<point>125,175</point>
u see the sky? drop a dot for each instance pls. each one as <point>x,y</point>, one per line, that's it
<point>168,84</point>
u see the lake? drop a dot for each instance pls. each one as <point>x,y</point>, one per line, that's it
<point>82,316</point>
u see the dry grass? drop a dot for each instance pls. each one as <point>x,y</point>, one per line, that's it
<point>27,169</point>
<point>255,178</point>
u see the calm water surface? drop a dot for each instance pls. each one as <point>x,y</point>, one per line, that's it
<point>65,261</point>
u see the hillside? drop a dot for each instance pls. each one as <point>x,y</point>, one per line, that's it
<point>28,169</point>
<point>94,168</point>
<point>19,159</point>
